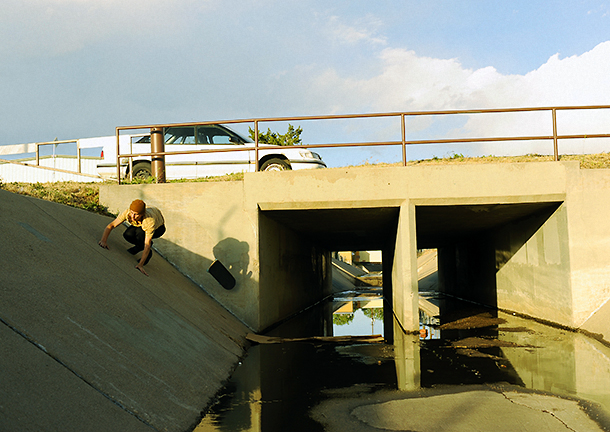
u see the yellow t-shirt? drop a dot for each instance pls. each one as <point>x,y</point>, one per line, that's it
<point>153,219</point>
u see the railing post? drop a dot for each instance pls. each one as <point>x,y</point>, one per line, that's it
<point>555,146</point>
<point>403,128</point>
<point>118,154</point>
<point>78,156</point>
<point>37,154</point>
<point>256,144</point>
<point>157,145</point>
<point>131,159</point>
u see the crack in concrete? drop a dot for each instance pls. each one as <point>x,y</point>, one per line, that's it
<point>39,346</point>
<point>540,410</point>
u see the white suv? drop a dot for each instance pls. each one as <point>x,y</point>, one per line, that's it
<point>208,137</point>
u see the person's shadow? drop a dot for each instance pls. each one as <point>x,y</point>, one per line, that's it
<point>234,255</point>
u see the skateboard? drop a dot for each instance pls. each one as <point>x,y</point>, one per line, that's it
<point>222,275</point>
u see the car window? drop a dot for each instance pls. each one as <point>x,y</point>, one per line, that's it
<point>180,135</point>
<point>212,134</point>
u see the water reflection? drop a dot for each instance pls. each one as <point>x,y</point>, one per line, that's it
<point>277,385</point>
<point>358,313</point>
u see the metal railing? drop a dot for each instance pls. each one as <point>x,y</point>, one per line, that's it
<point>404,142</point>
<point>37,157</point>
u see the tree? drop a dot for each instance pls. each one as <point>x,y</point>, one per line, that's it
<point>340,319</point>
<point>373,313</point>
<point>292,137</point>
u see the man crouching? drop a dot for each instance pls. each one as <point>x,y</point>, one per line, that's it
<point>146,223</point>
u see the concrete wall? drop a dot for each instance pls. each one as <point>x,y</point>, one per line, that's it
<point>533,267</point>
<point>204,221</point>
<point>588,210</point>
<point>294,272</point>
<point>556,271</point>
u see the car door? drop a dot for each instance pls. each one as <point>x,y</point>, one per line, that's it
<point>218,137</point>
<point>180,139</point>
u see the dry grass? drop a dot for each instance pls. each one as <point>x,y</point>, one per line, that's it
<point>590,161</point>
<point>79,195</point>
<point>84,195</point>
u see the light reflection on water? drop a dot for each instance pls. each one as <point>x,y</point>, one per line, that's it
<point>358,314</point>
<point>277,385</point>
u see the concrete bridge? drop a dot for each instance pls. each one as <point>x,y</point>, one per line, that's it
<point>532,238</point>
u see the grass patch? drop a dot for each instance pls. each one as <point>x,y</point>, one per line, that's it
<point>588,161</point>
<point>80,195</point>
<point>86,195</point>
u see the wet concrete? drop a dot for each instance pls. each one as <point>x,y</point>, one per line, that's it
<point>486,371</point>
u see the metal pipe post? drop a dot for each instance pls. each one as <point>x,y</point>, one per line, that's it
<point>555,145</point>
<point>157,145</point>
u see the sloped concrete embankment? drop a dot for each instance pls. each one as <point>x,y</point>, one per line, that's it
<point>88,342</point>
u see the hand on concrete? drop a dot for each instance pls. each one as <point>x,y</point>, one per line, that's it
<point>139,267</point>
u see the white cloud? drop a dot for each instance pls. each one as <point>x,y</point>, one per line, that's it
<point>364,29</point>
<point>408,82</point>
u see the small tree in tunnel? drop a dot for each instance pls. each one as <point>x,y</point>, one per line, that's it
<point>375,314</point>
<point>340,319</point>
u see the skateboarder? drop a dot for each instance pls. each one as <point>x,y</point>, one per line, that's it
<point>146,223</point>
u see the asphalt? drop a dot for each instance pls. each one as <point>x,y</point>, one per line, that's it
<point>88,343</point>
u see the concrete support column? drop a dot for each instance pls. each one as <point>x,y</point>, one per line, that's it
<point>387,260</point>
<point>157,144</point>
<point>404,271</point>
<point>407,360</point>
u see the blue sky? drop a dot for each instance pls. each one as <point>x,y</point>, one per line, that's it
<point>79,68</point>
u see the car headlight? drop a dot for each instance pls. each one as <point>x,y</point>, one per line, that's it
<point>309,154</point>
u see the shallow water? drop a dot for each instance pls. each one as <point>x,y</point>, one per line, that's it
<point>277,385</point>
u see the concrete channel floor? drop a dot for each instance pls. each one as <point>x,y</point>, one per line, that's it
<point>480,408</point>
<point>475,409</point>
<point>89,343</point>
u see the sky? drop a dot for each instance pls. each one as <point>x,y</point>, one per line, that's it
<point>79,68</point>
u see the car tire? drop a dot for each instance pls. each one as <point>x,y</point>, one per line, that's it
<point>142,170</point>
<point>275,164</point>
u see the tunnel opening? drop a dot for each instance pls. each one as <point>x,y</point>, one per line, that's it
<point>475,242</point>
<point>299,247</point>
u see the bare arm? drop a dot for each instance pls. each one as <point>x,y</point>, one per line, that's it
<point>145,253</point>
<point>112,225</point>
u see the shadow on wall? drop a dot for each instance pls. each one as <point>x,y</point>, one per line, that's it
<point>511,238</point>
<point>234,255</point>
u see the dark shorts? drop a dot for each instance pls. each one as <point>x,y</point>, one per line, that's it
<point>136,235</point>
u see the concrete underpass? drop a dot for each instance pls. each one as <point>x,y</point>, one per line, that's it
<point>514,236</point>
<point>471,240</point>
<point>88,340</point>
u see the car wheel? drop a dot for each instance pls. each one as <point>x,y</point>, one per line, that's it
<point>275,164</point>
<point>142,170</point>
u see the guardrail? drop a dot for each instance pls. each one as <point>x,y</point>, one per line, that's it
<point>37,146</point>
<point>404,142</point>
